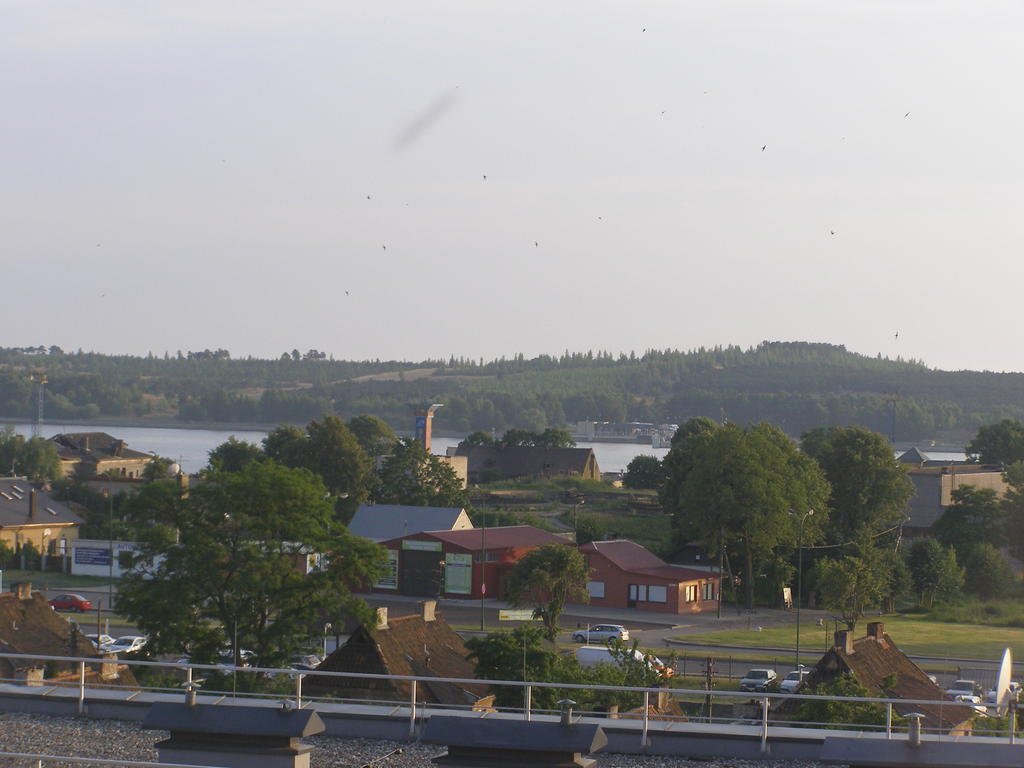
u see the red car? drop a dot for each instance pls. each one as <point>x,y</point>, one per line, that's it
<point>70,602</point>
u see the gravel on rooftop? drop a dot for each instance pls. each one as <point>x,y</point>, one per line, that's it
<point>124,740</point>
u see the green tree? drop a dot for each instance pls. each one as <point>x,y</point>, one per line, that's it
<point>553,437</point>
<point>975,517</point>
<point>588,529</point>
<point>1013,509</point>
<point>233,455</point>
<point>522,654</point>
<point>374,434</point>
<point>286,444</point>
<point>157,469</point>
<point>838,712</point>
<point>1001,443</point>
<point>870,489</point>
<point>987,575</point>
<point>644,472</point>
<point>518,437</point>
<point>221,565</point>
<point>546,578</point>
<point>849,585</point>
<point>934,570</point>
<point>738,486</point>
<point>414,477</point>
<point>477,438</point>
<point>35,458</point>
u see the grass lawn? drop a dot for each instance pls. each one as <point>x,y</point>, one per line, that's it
<point>913,634</point>
<point>52,580</point>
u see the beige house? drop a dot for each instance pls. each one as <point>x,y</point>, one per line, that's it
<point>90,454</point>
<point>29,514</point>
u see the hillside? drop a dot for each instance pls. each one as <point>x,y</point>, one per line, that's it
<point>797,385</point>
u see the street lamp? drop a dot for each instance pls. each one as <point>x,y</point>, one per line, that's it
<point>575,508</point>
<point>799,576</point>
<point>327,628</point>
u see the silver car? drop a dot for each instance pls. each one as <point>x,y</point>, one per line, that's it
<point>601,633</point>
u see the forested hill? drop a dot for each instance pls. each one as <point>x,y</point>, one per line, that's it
<point>796,385</point>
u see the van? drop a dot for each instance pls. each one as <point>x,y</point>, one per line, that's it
<point>591,655</point>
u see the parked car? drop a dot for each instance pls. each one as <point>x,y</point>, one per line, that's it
<point>965,691</point>
<point>245,657</point>
<point>601,633</point>
<point>71,602</point>
<point>101,641</point>
<point>127,644</point>
<point>791,682</point>
<point>590,655</point>
<point>304,662</point>
<point>758,679</point>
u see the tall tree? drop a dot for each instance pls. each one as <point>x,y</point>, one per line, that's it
<point>374,434</point>
<point>234,454</point>
<point>219,568</point>
<point>934,571</point>
<point>987,575</point>
<point>644,472</point>
<point>870,489</point>
<point>414,477</point>
<point>849,585</point>
<point>553,437</point>
<point>546,578</point>
<point>975,517</point>
<point>1001,443</point>
<point>739,486</point>
<point>35,458</point>
<point>1013,509</point>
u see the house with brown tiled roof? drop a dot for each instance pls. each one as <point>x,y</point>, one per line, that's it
<point>624,574</point>
<point>88,454</point>
<point>29,625</point>
<point>885,671</point>
<point>419,644</point>
<point>496,462</point>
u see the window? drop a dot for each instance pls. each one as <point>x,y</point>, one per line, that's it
<point>458,574</point>
<point>390,578</point>
<point>657,594</point>
<point>691,593</point>
<point>595,588</point>
<point>709,590</point>
<point>491,556</point>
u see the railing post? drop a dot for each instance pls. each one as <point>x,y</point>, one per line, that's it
<point>188,678</point>
<point>81,687</point>
<point>412,709</point>
<point>647,702</point>
<point>298,690</point>
<point>764,724</point>
<point>527,702</point>
<point>888,719</point>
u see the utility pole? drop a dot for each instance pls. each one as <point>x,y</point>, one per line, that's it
<point>483,565</point>
<point>40,379</point>
<point>721,570</point>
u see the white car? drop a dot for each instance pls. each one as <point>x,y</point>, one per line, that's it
<point>791,682</point>
<point>758,679</point>
<point>127,644</point>
<point>965,691</point>
<point>100,641</point>
<point>601,633</point>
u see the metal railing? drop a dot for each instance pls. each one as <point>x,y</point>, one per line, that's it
<point>415,709</point>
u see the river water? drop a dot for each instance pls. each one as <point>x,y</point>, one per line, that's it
<point>191,447</point>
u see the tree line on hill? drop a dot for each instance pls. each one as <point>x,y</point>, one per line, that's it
<point>797,386</point>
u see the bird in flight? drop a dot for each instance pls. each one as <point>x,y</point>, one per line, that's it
<point>831,231</point>
<point>906,116</point>
<point>384,247</point>
<point>764,147</point>
<point>346,293</point>
<point>536,244</point>
<point>485,177</point>
<point>367,197</point>
<point>897,334</point>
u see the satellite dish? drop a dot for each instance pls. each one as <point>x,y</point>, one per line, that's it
<point>1003,681</point>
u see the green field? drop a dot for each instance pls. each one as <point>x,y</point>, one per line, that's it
<point>913,634</point>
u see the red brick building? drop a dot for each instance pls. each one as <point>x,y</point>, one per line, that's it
<point>625,575</point>
<point>469,563</point>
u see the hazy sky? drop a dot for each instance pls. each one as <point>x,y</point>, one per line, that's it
<point>183,175</point>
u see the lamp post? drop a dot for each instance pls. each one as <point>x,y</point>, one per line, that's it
<point>110,543</point>
<point>327,628</point>
<point>799,576</point>
<point>575,509</point>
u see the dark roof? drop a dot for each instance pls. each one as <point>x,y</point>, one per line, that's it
<point>876,657</point>
<point>97,446</point>
<point>633,558</point>
<point>526,461</point>
<point>245,721</point>
<point>390,521</point>
<point>31,626</point>
<point>16,502</point>
<point>504,537</point>
<point>913,456</point>
<point>408,645</point>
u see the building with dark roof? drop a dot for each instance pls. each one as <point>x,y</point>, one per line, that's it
<point>378,522</point>
<point>28,625</point>
<point>885,671</point>
<point>419,644</point>
<point>626,575</point>
<point>29,515</point>
<point>934,486</point>
<point>469,563</point>
<point>88,454</point>
<point>487,463</point>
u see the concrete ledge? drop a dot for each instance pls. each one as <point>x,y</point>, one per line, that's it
<point>934,754</point>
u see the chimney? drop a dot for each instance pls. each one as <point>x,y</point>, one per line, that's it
<point>119,449</point>
<point>23,590</point>
<point>876,630</point>
<point>663,698</point>
<point>32,506</point>
<point>428,606</point>
<point>382,618</point>
<point>844,641</point>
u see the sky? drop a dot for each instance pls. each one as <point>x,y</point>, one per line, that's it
<point>411,179</point>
